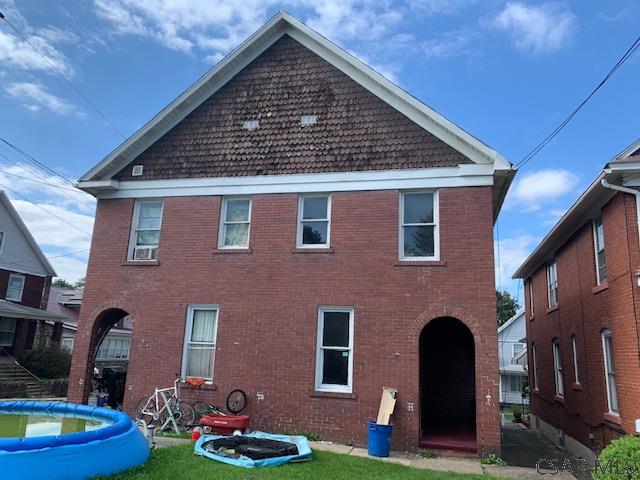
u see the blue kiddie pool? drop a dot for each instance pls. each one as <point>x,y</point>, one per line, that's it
<point>67,441</point>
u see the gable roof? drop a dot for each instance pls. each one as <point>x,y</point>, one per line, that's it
<point>280,25</point>
<point>4,200</point>
<point>519,314</point>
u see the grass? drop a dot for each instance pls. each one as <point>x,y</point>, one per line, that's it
<point>180,462</point>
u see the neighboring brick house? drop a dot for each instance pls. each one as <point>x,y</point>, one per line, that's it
<point>581,296</point>
<point>293,190</point>
<point>25,278</point>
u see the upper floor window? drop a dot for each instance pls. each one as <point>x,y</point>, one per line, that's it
<point>598,242</point>
<point>145,231</point>
<point>334,353</point>
<point>419,226</point>
<point>15,287</point>
<point>235,222</point>
<point>1,241</point>
<point>552,282</point>
<point>517,348</point>
<point>531,302</point>
<point>557,367</point>
<point>314,221</point>
<point>200,341</point>
<point>574,349</point>
<point>610,371</point>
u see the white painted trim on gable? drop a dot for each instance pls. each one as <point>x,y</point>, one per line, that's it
<point>281,24</point>
<point>460,176</point>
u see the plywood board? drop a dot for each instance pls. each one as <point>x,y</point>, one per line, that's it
<point>387,404</point>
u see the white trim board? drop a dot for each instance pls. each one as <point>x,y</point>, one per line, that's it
<point>284,24</point>
<point>461,176</point>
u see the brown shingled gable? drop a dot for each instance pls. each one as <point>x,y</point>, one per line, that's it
<point>356,130</point>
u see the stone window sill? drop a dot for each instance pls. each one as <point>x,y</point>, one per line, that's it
<point>552,309</point>
<point>613,418</point>
<point>559,398</point>
<point>232,250</point>
<point>343,395</point>
<point>576,386</point>
<point>140,263</point>
<point>313,250</point>
<point>420,263</point>
<point>600,288</point>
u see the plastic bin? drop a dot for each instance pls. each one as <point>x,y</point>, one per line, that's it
<point>379,439</point>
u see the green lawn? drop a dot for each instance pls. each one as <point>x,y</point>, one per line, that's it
<point>181,463</point>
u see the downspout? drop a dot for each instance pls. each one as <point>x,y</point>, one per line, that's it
<point>636,194</point>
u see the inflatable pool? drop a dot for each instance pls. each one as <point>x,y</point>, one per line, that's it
<point>68,441</point>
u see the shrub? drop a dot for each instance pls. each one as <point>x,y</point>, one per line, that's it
<point>492,459</point>
<point>50,362</point>
<point>517,413</point>
<point>620,459</point>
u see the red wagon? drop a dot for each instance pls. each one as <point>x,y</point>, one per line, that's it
<point>224,424</point>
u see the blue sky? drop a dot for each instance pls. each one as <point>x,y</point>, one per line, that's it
<point>506,71</point>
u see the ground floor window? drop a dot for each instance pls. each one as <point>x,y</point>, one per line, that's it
<point>67,343</point>
<point>511,384</point>
<point>334,360</point>
<point>200,341</point>
<point>557,364</point>
<point>7,331</point>
<point>610,371</point>
<point>112,349</point>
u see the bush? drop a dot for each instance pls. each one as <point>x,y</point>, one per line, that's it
<point>50,362</point>
<point>517,413</point>
<point>620,459</point>
<point>492,459</point>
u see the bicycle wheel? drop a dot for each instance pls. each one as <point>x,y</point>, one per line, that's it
<point>236,401</point>
<point>151,407</point>
<point>200,408</point>
<point>185,416</point>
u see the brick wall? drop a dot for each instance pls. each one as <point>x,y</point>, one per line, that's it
<point>584,310</point>
<point>269,300</point>
<point>33,288</point>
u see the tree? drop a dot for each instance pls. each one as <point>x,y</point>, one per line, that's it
<point>506,306</point>
<point>61,283</point>
<point>79,284</point>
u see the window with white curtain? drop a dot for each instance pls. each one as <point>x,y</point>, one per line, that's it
<point>557,367</point>
<point>235,223</point>
<point>314,214</point>
<point>200,341</point>
<point>598,241</point>
<point>15,287</point>
<point>113,348</point>
<point>552,283</point>
<point>145,230</point>
<point>334,360</point>
<point>610,371</point>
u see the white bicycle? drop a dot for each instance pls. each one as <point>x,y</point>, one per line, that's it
<point>165,407</point>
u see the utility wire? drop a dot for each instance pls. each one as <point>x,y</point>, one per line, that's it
<point>44,209</point>
<point>62,76</point>
<point>41,182</point>
<point>630,51</point>
<point>69,254</point>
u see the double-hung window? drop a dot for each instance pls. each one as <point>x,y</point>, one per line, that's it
<point>517,348</point>
<point>610,371</point>
<point>314,221</point>
<point>334,360</point>
<point>113,349</point>
<point>557,368</point>
<point>200,341</point>
<point>235,222</point>
<point>598,242</point>
<point>574,349</point>
<point>145,231</point>
<point>419,226</point>
<point>552,283</point>
<point>531,302</point>
<point>15,287</point>
<point>534,360</point>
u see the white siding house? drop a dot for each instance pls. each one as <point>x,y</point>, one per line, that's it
<point>512,346</point>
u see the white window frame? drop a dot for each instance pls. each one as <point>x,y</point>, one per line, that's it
<point>552,283</point>
<point>531,302</point>
<point>513,348</point>
<point>299,232</point>
<point>19,297</point>
<point>597,249</point>
<point>435,224</point>
<point>222,229</point>
<point>134,229</point>
<point>107,350</point>
<point>557,367</point>
<point>67,343</point>
<point>187,338</point>
<point>2,238</point>
<point>325,387</point>
<point>607,373</point>
<point>535,366</point>
<point>574,349</point>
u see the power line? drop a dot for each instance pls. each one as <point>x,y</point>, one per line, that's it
<point>630,51</point>
<point>44,209</point>
<point>62,76</point>
<point>69,254</point>
<point>42,182</point>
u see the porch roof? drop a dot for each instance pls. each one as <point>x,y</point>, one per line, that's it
<point>13,310</point>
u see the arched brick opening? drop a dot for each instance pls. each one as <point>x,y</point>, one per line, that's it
<point>103,323</point>
<point>447,385</point>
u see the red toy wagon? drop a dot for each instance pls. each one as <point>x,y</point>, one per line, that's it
<point>224,424</point>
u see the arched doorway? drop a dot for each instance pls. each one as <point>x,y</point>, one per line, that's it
<point>447,386</point>
<point>109,356</point>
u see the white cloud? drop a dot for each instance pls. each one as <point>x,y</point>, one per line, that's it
<point>536,189</point>
<point>509,254</point>
<point>19,55</point>
<point>71,268</point>
<point>433,7</point>
<point>35,97</point>
<point>537,28</point>
<point>449,45</point>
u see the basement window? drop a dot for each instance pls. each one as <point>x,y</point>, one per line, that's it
<point>308,119</point>
<point>251,124</point>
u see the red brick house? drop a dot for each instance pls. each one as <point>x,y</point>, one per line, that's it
<point>581,293</point>
<point>297,226</point>
<point>25,278</point>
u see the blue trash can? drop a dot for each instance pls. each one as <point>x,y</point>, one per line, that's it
<point>379,439</point>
